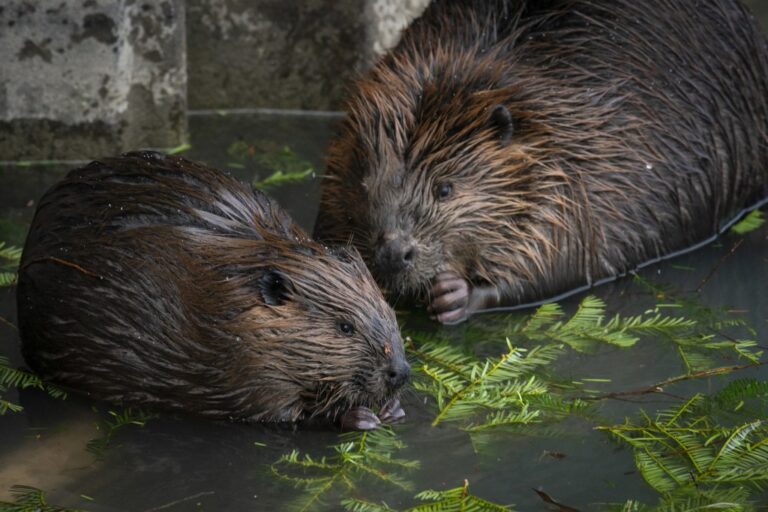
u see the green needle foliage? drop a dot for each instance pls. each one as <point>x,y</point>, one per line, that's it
<point>485,394</point>
<point>21,379</point>
<point>281,162</point>
<point>9,262</point>
<point>458,499</point>
<point>710,449</point>
<point>731,500</point>
<point>713,332</point>
<point>511,389</point>
<point>111,426</point>
<point>359,459</point>
<point>587,327</point>
<point>750,222</point>
<point>30,499</point>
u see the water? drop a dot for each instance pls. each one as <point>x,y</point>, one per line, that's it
<point>180,463</point>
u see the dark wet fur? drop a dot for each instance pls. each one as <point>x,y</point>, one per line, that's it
<point>638,128</point>
<point>155,280</point>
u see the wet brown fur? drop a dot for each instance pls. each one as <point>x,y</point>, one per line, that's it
<point>156,280</point>
<point>639,128</point>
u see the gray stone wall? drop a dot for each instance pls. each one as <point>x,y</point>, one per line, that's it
<point>83,78</point>
<point>294,54</point>
<point>390,18</point>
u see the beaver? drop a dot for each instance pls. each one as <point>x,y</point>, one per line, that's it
<point>155,280</point>
<point>507,151</point>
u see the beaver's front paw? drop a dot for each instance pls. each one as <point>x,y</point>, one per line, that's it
<point>392,411</point>
<point>454,298</point>
<point>362,418</point>
<point>450,298</point>
<point>359,418</point>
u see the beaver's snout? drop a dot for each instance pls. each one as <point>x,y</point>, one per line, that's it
<point>398,373</point>
<point>395,253</point>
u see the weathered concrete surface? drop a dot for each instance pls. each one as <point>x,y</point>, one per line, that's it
<point>390,17</point>
<point>286,54</point>
<point>83,78</point>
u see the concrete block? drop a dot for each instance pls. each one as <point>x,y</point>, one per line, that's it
<point>390,18</point>
<point>286,54</point>
<point>84,78</point>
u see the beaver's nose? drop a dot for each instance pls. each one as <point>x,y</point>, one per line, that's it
<point>398,374</point>
<point>396,254</point>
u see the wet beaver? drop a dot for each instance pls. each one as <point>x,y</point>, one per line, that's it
<point>508,150</point>
<point>155,280</point>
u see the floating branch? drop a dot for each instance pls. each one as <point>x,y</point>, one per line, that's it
<point>281,162</point>
<point>686,451</point>
<point>491,393</point>
<point>511,389</point>
<point>750,222</point>
<point>9,262</point>
<point>458,499</point>
<point>22,379</point>
<point>111,427</point>
<point>30,499</point>
<point>361,457</point>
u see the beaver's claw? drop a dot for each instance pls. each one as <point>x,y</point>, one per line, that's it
<point>454,298</point>
<point>362,418</point>
<point>359,418</point>
<point>392,411</point>
<point>450,298</point>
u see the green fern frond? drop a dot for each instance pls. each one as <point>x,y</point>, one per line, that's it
<point>6,406</point>
<point>359,457</point>
<point>456,499</point>
<point>22,379</point>
<point>110,427</point>
<point>750,222</point>
<point>740,390</point>
<point>692,500</point>
<point>7,279</point>
<point>281,178</point>
<point>684,449</point>
<point>10,255</point>
<point>355,505</point>
<point>30,499</point>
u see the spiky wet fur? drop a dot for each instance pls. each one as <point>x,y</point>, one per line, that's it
<point>639,129</point>
<point>142,282</point>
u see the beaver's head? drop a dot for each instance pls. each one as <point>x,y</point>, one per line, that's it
<point>447,170</point>
<point>317,337</point>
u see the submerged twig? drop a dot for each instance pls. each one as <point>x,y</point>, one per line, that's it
<point>717,266</point>
<point>7,322</point>
<point>180,500</point>
<point>659,387</point>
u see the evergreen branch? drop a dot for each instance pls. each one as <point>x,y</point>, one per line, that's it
<point>127,417</point>
<point>361,456</point>
<point>750,222</point>
<point>22,379</point>
<point>8,279</point>
<point>30,499</point>
<point>659,387</point>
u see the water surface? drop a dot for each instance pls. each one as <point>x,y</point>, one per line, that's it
<point>181,463</point>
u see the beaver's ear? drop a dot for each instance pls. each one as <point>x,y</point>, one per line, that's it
<point>502,122</point>
<point>275,287</point>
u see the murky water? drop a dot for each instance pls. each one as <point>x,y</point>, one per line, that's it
<point>180,463</point>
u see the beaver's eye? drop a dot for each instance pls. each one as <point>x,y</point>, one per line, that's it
<point>443,190</point>
<point>346,328</point>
